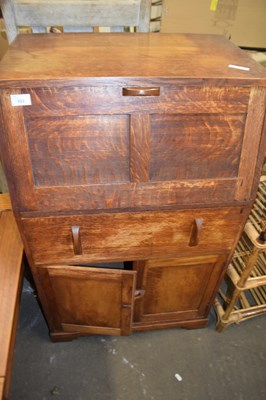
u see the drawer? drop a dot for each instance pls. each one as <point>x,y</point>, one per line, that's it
<point>81,239</point>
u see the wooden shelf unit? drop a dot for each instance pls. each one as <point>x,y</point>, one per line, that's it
<point>243,294</point>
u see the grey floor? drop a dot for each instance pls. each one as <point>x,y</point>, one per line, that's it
<point>143,366</point>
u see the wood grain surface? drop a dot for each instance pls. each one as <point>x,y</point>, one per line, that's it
<point>79,150</point>
<point>144,55</point>
<point>176,289</point>
<point>5,203</point>
<point>91,300</point>
<point>121,159</point>
<point>252,142</point>
<point>2,384</point>
<point>183,99</point>
<point>129,236</point>
<point>180,144</point>
<point>98,170</point>
<point>11,272</point>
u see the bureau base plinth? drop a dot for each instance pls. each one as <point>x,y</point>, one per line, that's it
<point>136,327</point>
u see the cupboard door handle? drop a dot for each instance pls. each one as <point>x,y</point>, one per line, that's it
<point>76,240</point>
<point>141,91</point>
<point>139,293</point>
<point>195,232</point>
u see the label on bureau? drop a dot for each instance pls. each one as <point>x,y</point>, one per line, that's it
<point>20,100</point>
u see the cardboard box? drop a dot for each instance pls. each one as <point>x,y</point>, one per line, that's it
<point>242,21</point>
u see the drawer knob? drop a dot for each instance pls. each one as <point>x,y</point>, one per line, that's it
<point>141,91</point>
<point>76,240</point>
<point>195,232</point>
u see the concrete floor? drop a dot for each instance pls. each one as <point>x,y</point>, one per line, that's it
<point>214,366</point>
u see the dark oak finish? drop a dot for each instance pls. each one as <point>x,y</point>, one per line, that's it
<point>144,55</point>
<point>252,142</point>
<point>139,148</point>
<point>198,140</point>
<point>135,147</point>
<point>101,161</point>
<point>79,150</point>
<point>173,98</point>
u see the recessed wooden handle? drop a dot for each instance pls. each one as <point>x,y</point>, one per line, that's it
<point>76,240</point>
<point>141,91</point>
<point>195,232</point>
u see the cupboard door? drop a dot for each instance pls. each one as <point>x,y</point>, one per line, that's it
<point>89,300</point>
<point>175,289</point>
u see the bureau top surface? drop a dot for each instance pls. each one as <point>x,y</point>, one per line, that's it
<point>79,56</point>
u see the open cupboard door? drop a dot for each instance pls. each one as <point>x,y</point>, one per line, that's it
<point>88,300</point>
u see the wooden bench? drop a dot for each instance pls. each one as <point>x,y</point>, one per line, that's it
<point>75,16</point>
<point>11,274</point>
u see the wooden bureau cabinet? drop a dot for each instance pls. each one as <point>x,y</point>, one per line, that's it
<point>132,162</point>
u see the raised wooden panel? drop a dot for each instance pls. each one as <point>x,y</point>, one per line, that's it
<point>130,236</point>
<point>79,150</point>
<point>195,146</point>
<point>99,300</point>
<point>176,289</point>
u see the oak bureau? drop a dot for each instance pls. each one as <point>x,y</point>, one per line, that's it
<point>132,162</point>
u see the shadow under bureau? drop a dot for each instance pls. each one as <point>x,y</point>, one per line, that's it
<point>132,162</point>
